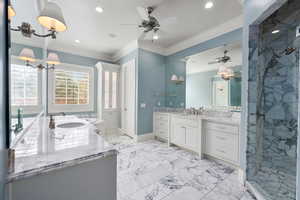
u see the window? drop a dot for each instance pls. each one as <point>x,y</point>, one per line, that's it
<point>25,88</point>
<point>110,89</point>
<point>71,89</point>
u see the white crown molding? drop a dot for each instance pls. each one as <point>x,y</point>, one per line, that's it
<point>226,27</point>
<point>82,52</point>
<point>125,50</point>
<point>207,35</point>
<point>152,47</point>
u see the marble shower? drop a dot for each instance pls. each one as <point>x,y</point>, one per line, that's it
<point>273,104</point>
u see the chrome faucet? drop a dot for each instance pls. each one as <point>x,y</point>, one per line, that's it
<point>19,126</point>
<point>52,122</point>
<point>62,113</point>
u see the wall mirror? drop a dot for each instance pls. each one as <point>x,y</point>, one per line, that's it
<point>26,76</point>
<point>213,77</point>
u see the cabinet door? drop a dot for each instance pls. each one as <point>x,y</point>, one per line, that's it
<point>192,141</point>
<point>178,134</point>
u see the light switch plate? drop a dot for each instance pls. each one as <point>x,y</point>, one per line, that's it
<point>143,105</point>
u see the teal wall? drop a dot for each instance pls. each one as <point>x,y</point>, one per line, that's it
<point>151,85</point>
<point>17,48</point>
<point>236,92</point>
<point>151,88</point>
<point>174,65</point>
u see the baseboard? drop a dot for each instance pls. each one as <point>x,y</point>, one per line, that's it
<point>145,137</point>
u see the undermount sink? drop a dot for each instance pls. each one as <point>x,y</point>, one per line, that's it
<point>71,125</point>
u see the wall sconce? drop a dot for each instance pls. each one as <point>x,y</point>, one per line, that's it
<point>177,80</point>
<point>11,12</point>
<point>51,18</point>
<point>28,56</point>
<point>52,60</point>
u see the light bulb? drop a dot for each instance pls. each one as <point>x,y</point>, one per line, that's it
<point>99,9</point>
<point>209,4</point>
<point>155,36</point>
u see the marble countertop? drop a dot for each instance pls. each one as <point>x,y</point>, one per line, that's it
<point>234,119</point>
<point>42,150</point>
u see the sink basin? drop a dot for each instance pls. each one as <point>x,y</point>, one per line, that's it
<point>71,125</point>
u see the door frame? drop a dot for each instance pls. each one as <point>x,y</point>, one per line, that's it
<point>135,94</point>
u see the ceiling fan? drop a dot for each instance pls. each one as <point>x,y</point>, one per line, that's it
<point>150,23</point>
<point>223,59</point>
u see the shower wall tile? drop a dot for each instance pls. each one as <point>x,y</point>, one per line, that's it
<point>273,106</point>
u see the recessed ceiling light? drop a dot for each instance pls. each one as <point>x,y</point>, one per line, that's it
<point>209,4</point>
<point>99,9</point>
<point>275,31</point>
<point>77,41</point>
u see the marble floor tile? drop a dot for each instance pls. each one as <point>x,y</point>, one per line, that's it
<point>153,171</point>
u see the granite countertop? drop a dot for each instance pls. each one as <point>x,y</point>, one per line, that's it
<point>234,119</point>
<point>42,150</point>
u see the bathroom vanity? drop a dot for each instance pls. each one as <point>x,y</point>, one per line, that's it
<point>55,164</point>
<point>211,136</point>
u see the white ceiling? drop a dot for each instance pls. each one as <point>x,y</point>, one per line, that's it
<point>199,62</point>
<point>93,29</point>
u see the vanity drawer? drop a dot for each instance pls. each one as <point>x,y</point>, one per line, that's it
<point>164,125</point>
<point>222,145</point>
<point>221,127</point>
<point>186,122</point>
<point>161,117</point>
<point>162,133</point>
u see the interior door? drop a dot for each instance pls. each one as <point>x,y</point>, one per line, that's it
<point>110,94</point>
<point>4,96</point>
<point>128,98</point>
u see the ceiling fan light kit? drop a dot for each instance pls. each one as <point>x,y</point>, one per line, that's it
<point>51,18</point>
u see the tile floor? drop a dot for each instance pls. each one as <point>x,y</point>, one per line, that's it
<point>153,171</point>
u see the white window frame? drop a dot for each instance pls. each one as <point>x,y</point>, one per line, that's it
<point>27,110</point>
<point>111,69</point>
<point>56,108</point>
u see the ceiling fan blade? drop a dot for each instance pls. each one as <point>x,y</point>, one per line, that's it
<point>213,62</point>
<point>129,25</point>
<point>168,21</point>
<point>143,13</point>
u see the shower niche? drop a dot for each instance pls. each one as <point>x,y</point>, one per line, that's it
<point>273,103</point>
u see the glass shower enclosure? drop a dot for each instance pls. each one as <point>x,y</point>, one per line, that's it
<point>273,103</point>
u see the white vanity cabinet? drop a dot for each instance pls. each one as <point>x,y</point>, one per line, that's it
<point>186,133</point>
<point>161,125</point>
<point>221,141</point>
